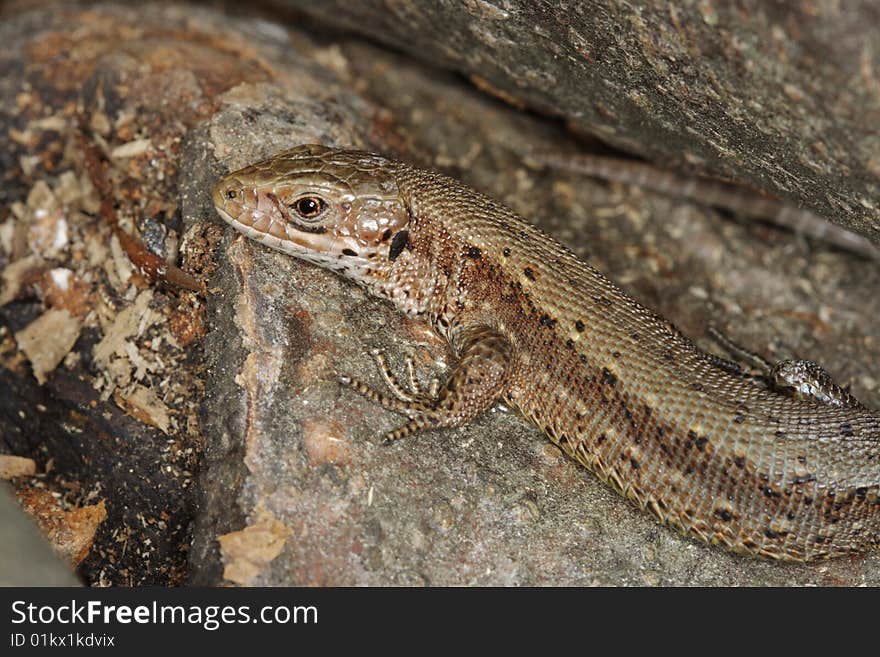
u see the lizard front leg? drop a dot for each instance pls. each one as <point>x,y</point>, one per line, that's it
<point>477,381</point>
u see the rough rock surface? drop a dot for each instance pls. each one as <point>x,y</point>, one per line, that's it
<point>491,503</point>
<point>294,487</point>
<point>784,96</point>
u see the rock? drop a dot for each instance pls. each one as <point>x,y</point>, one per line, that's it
<point>25,557</point>
<point>483,504</point>
<point>782,97</point>
<point>294,486</point>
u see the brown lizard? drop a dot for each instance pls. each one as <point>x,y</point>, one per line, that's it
<point>783,463</point>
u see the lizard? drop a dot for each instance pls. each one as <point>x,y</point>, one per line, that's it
<point>781,463</point>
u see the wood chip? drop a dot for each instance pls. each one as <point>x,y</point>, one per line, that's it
<point>16,466</point>
<point>61,288</point>
<point>132,148</point>
<point>246,553</point>
<point>48,339</point>
<point>71,532</point>
<point>143,405</point>
<point>47,224</point>
<point>127,323</point>
<point>15,276</point>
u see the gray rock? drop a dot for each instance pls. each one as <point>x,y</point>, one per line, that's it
<point>26,559</point>
<point>493,502</point>
<point>781,96</point>
<point>294,485</point>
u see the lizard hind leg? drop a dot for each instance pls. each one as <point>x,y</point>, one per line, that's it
<point>798,378</point>
<point>805,379</point>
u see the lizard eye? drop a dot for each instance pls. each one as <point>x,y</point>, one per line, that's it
<point>309,207</point>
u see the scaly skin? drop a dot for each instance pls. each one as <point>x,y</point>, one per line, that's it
<point>784,465</point>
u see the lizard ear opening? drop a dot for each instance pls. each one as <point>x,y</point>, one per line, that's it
<point>398,244</point>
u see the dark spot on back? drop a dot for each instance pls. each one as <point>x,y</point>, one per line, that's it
<point>723,514</point>
<point>474,253</point>
<point>769,492</point>
<point>386,234</point>
<point>579,326</point>
<point>349,252</point>
<point>608,377</point>
<point>529,273</point>
<point>506,252</point>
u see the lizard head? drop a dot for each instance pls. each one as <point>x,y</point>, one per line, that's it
<point>339,209</point>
